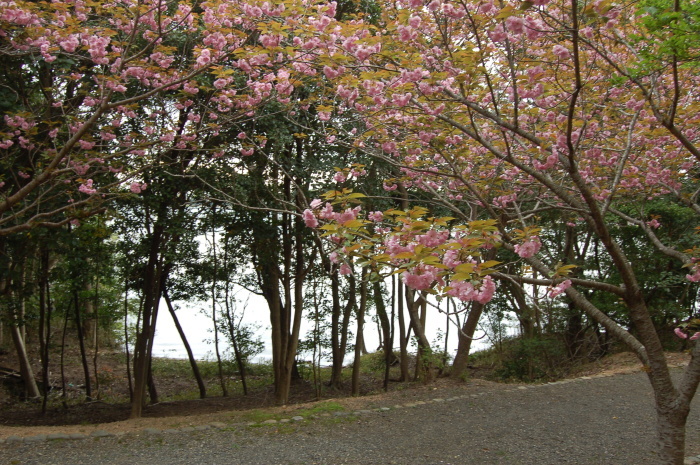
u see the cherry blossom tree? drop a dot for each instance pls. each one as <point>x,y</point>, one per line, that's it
<point>507,110</point>
<point>97,95</point>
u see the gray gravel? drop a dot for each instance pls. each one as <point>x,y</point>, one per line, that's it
<point>596,420</point>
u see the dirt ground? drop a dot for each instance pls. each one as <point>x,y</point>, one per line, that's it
<point>111,412</point>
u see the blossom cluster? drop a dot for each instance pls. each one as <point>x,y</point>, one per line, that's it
<point>428,255</point>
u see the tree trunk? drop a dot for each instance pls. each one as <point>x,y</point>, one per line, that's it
<point>25,368</point>
<point>188,349</point>
<point>64,394</point>
<point>293,326</point>
<point>127,352</point>
<point>359,341</point>
<point>95,341</point>
<point>81,343</point>
<point>44,325</point>
<point>670,427</point>
<point>144,338</point>
<point>385,331</point>
<point>339,329</point>
<point>231,324</point>
<point>89,317</point>
<point>151,383</point>
<point>466,336</point>
<point>423,367</point>
<point>403,335</point>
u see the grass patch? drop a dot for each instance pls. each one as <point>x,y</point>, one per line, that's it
<point>323,407</point>
<point>259,416</point>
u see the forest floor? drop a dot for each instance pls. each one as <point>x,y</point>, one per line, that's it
<point>179,406</point>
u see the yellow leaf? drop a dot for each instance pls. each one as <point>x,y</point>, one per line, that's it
<point>465,268</point>
<point>461,277</point>
<point>404,255</point>
<point>353,224</point>
<point>565,270</point>
<point>505,12</point>
<point>490,264</point>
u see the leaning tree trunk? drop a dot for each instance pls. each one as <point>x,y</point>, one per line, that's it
<point>188,349</point>
<point>25,368</point>
<point>466,336</point>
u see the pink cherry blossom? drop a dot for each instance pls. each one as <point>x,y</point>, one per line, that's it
<point>695,277</point>
<point>376,216</point>
<point>87,188</point>
<point>310,219</point>
<point>561,52</point>
<point>420,278</point>
<point>654,224</point>
<point>528,248</point>
<point>137,187</point>
<point>465,291</point>
<point>86,145</point>
<point>515,24</point>
<point>559,288</point>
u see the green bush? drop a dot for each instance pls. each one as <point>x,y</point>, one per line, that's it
<point>533,359</point>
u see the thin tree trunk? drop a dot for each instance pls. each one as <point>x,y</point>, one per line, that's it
<point>81,343</point>
<point>44,325</point>
<point>222,380</point>
<point>447,333</point>
<point>385,327</point>
<point>236,351</point>
<point>359,341</point>
<point>403,336</point>
<point>188,349</point>
<point>339,328</point>
<point>126,341</point>
<point>316,354</point>
<point>96,338</point>
<point>232,328</point>
<point>64,395</point>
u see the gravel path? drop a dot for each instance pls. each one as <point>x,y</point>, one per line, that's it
<point>592,420</point>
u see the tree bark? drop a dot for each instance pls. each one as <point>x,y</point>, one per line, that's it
<point>380,306</point>
<point>465,338</point>
<point>188,349</point>
<point>339,330</point>
<point>359,341</point>
<point>403,335</point>
<point>144,338</point>
<point>81,343</point>
<point>25,368</point>
<point>44,325</point>
<point>423,366</point>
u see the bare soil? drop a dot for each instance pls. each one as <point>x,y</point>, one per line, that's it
<point>111,411</point>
